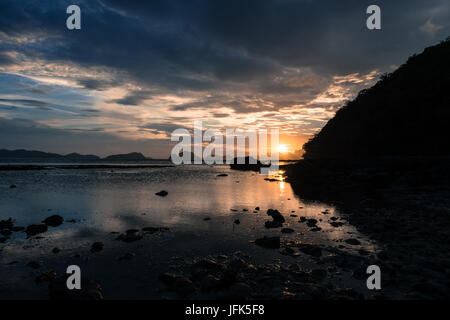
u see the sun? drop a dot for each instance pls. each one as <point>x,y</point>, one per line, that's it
<point>283,148</point>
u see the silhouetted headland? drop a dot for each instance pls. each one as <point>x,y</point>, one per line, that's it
<point>384,160</point>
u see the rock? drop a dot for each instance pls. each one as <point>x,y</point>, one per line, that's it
<point>5,232</point>
<point>222,175</point>
<point>210,265</point>
<point>334,218</point>
<point>288,251</point>
<point>34,264</point>
<point>127,256</point>
<point>268,242</point>
<point>179,284</point>
<point>97,247</point>
<point>311,222</point>
<point>315,229</point>
<point>35,229</point>
<point>162,193</point>
<point>244,210</point>
<point>238,264</point>
<point>13,186</point>
<point>237,221</point>
<point>46,276</point>
<point>294,216</point>
<point>240,291</point>
<point>310,249</point>
<point>360,273</point>
<point>7,224</point>
<point>363,252</point>
<point>54,221</point>
<point>287,230</point>
<point>257,209</point>
<point>272,224</point>
<point>302,219</point>
<point>210,283</point>
<point>319,274</point>
<point>276,215</point>
<point>155,229</point>
<point>130,236</point>
<point>3,239</point>
<point>353,242</point>
<point>90,290</point>
<point>56,250</point>
<point>206,219</point>
<point>336,224</point>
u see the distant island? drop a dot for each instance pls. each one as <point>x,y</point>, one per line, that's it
<point>37,156</point>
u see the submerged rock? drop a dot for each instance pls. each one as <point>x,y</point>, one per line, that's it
<point>287,230</point>
<point>130,236</point>
<point>206,219</point>
<point>272,224</point>
<point>210,283</point>
<point>13,186</point>
<point>127,256</point>
<point>162,193</point>
<point>336,224</point>
<point>319,274</point>
<point>237,221</point>
<point>56,250</point>
<point>54,221</point>
<point>353,242</point>
<point>310,249</point>
<point>276,215</point>
<point>34,264</point>
<point>155,229</point>
<point>97,247</point>
<point>268,242</point>
<point>311,222</point>
<point>35,229</point>
<point>46,276</point>
<point>222,175</point>
<point>177,283</point>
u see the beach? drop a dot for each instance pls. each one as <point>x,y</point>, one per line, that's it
<point>134,244</point>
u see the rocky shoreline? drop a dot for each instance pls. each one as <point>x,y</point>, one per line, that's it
<point>404,204</point>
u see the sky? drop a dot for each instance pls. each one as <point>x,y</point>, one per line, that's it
<point>137,70</point>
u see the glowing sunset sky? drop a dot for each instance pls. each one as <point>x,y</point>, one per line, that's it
<point>138,70</point>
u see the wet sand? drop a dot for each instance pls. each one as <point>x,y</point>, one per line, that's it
<point>155,247</point>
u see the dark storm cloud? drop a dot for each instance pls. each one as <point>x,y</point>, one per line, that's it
<point>201,45</point>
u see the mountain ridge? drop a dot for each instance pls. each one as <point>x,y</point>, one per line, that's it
<point>404,114</point>
<point>41,155</point>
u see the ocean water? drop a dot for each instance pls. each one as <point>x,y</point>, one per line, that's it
<point>104,202</point>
